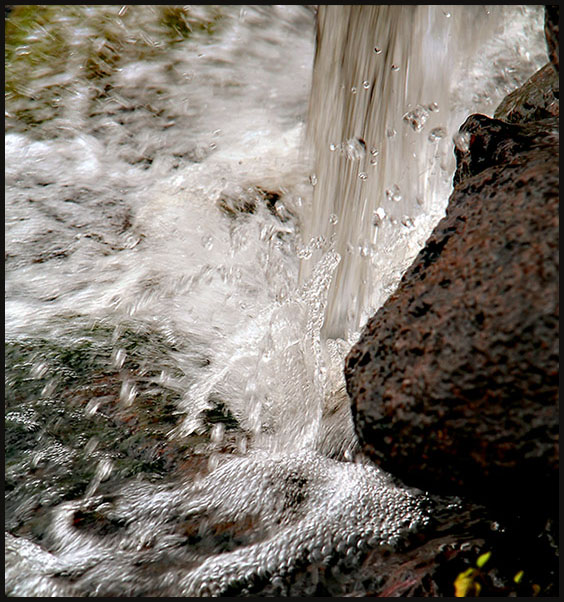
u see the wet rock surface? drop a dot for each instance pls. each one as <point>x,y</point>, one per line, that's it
<point>551,30</point>
<point>454,382</point>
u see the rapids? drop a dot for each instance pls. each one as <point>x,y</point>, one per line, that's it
<point>187,267</point>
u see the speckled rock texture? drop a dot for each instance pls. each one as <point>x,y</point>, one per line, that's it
<point>454,382</point>
<point>551,26</point>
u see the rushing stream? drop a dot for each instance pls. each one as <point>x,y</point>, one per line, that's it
<point>177,421</point>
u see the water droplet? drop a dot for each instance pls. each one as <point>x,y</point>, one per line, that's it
<point>353,90</point>
<point>207,242</point>
<point>373,162</point>
<point>127,393</point>
<point>393,193</point>
<point>416,118</point>
<point>217,432</point>
<point>391,132</point>
<point>362,175</point>
<point>104,470</point>
<point>395,67</point>
<point>378,216</point>
<point>304,253</point>
<point>366,84</point>
<point>462,141</point>
<point>354,149</point>
<point>374,152</point>
<point>407,222</point>
<point>436,134</point>
<point>333,147</point>
<point>377,50</point>
<point>119,358</point>
<point>39,370</point>
<point>447,15</point>
<point>433,107</point>
<point>213,462</point>
<point>313,179</point>
<point>333,219</point>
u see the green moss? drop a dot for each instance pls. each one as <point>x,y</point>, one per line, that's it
<point>85,45</point>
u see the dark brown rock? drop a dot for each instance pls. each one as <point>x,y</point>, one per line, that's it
<point>537,99</point>
<point>454,382</point>
<point>551,23</point>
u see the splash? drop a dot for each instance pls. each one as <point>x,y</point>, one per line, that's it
<point>182,284</point>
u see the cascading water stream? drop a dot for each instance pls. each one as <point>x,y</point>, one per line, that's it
<point>179,277</point>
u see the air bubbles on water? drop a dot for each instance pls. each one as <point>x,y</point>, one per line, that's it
<point>333,218</point>
<point>353,90</point>
<point>395,67</point>
<point>377,50</point>
<point>313,179</point>
<point>333,147</point>
<point>362,175</point>
<point>366,84</point>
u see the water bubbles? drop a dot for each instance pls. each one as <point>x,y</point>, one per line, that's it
<point>395,67</point>
<point>437,133</point>
<point>313,179</point>
<point>362,175</point>
<point>333,219</point>
<point>393,193</point>
<point>377,50</point>
<point>366,84</point>
<point>462,141</point>
<point>333,147</point>
<point>353,90</point>
<point>416,118</point>
<point>433,107</point>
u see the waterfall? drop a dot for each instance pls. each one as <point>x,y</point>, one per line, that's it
<point>184,279</point>
<point>391,86</point>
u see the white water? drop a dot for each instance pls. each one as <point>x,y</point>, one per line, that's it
<point>122,209</point>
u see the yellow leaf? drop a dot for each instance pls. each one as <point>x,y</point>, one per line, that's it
<point>483,559</point>
<point>466,585</point>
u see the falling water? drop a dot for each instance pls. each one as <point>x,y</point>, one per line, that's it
<point>172,256</point>
<point>391,86</point>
